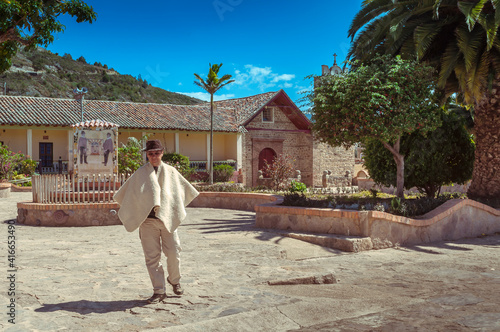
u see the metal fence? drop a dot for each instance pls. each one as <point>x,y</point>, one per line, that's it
<point>201,166</point>
<point>65,188</point>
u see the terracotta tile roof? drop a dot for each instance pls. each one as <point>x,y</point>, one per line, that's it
<point>41,111</point>
<point>248,106</point>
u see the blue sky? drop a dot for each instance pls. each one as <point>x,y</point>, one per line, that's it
<point>265,45</point>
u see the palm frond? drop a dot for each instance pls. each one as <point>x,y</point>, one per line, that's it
<point>435,9</point>
<point>424,36</point>
<point>469,43</point>
<point>487,21</point>
<point>496,7</point>
<point>471,10</point>
<point>477,77</point>
<point>369,11</point>
<point>448,63</point>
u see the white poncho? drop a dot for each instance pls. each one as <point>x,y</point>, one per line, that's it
<point>146,190</point>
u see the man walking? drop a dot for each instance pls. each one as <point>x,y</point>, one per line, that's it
<point>153,199</point>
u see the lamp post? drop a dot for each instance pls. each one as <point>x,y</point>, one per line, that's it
<point>79,95</point>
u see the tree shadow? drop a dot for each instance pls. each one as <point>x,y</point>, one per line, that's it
<point>246,223</point>
<point>243,222</point>
<point>491,241</point>
<point>84,307</point>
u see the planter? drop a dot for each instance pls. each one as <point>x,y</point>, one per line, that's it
<point>16,188</point>
<point>5,189</point>
<point>455,219</point>
<point>68,215</point>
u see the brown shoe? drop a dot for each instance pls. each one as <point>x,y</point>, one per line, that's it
<point>176,288</point>
<point>156,298</point>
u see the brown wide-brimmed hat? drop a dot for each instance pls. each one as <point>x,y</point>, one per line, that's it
<point>153,145</point>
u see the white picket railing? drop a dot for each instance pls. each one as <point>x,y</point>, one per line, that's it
<point>65,188</point>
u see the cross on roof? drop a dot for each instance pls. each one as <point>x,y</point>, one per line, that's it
<point>334,59</point>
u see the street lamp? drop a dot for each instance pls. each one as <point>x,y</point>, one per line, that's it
<point>79,95</point>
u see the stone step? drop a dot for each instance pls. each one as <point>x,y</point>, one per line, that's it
<point>333,241</point>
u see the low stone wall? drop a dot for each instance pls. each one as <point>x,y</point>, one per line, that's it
<point>16,188</point>
<point>104,214</point>
<point>232,201</point>
<point>4,189</point>
<point>453,220</point>
<point>68,215</point>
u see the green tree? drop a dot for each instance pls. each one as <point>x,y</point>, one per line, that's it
<point>442,156</point>
<point>461,40</point>
<point>212,84</point>
<point>81,59</point>
<point>31,23</point>
<point>382,99</point>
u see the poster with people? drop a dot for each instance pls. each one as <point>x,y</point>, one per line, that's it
<point>95,151</point>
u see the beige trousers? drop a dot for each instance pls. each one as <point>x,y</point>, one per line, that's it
<point>155,238</point>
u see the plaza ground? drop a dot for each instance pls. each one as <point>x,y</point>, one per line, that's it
<point>94,279</point>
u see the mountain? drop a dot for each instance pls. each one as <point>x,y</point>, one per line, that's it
<point>41,73</point>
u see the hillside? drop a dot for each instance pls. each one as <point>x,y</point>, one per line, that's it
<point>41,73</point>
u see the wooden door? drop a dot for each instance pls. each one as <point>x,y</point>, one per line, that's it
<point>46,154</point>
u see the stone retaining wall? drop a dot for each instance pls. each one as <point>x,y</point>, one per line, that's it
<point>453,220</point>
<point>5,189</point>
<point>68,215</point>
<point>232,201</point>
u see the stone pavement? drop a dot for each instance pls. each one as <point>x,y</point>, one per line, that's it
<point>94,279</point>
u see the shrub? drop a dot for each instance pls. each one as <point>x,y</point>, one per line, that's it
<point>223,172</point>
<point>8,162</point>
<point>180,162</point>
<point>296,186</point>
<point>280,170</point>
<point>130,155</point>
<point>223,187</point>
<point>26,167</point>
<point>300,199</point>
<point>398,206</point>
<point>199,177</point>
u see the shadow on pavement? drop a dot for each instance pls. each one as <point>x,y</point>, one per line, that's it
<point>433,248</point>
<point>86,307</point>
<point>244,222</point>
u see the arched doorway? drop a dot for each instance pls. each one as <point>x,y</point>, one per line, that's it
<point>266,155</point>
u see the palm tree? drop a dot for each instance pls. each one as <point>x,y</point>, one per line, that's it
<point>212,84</point>
<point>458,38</point>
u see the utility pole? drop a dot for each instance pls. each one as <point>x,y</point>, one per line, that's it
<point>79,95</point>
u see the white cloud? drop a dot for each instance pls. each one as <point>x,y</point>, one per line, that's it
<point>283,77</point>
<point>262,77</point>
<point>180,83</point>
<point>206,96</point>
